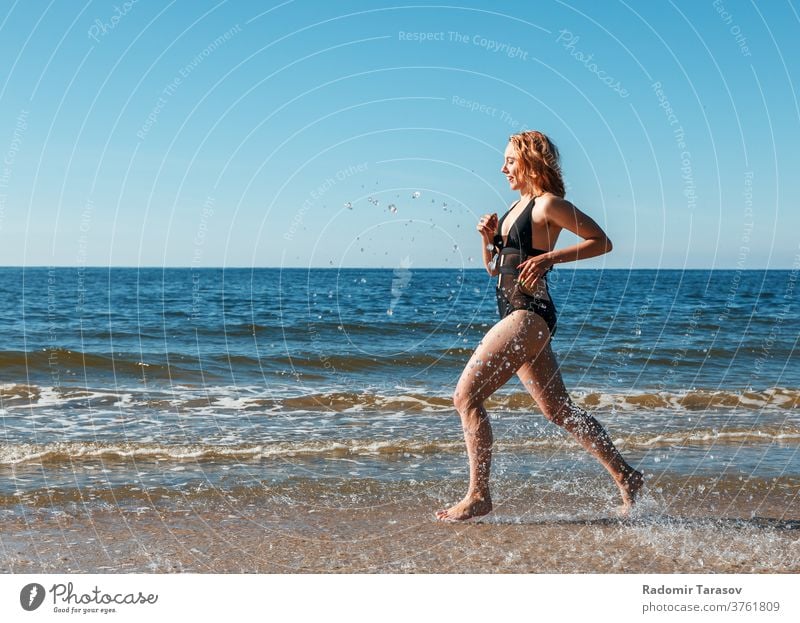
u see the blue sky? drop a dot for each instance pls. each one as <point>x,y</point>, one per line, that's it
<point>236,133</point>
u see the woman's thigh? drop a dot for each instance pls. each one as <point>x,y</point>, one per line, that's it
<point>517,338</point>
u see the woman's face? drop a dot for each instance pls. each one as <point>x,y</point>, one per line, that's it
<point>510,169</point>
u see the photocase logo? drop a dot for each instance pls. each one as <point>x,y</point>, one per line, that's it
<point>400,281</point>
<point>31,596</point>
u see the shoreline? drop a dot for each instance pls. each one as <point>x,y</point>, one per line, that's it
<point>545,531</point>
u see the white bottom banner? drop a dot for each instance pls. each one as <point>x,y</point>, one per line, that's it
<point>354,598</point>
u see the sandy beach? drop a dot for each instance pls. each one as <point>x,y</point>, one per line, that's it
<point>726,530</point>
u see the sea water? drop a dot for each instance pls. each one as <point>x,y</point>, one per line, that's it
<point>177,379</point>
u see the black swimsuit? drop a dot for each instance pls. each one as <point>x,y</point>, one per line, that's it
<point>519,248</point>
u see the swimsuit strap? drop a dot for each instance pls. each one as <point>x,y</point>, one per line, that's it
<point>518,230</point>
<point>517,225</point>
<point>498,237</point>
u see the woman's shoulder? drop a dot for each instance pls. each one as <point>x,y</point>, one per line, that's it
<point>551,208</point>
<point>548,201</point>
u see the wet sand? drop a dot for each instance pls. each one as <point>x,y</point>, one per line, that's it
<point>726,530</point>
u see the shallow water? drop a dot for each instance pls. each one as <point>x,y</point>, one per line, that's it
<point>564,524</point>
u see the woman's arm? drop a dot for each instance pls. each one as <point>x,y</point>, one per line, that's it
<point>487,259</point>
<point>565,215</point>
<point>487,227</point>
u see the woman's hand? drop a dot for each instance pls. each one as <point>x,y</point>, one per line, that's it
<point>487,227</point>
<point>532,269</point>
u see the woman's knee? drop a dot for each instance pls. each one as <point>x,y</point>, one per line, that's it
<point>460,400</point>
<point>566,414</point>
<point>465,402</point>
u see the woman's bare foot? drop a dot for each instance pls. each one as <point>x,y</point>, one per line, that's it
<point>629,488</point>
<point>471,506</point>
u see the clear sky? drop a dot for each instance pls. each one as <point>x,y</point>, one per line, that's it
<point>297,133</point>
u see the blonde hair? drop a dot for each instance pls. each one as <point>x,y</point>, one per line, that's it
<point>538,155</point>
